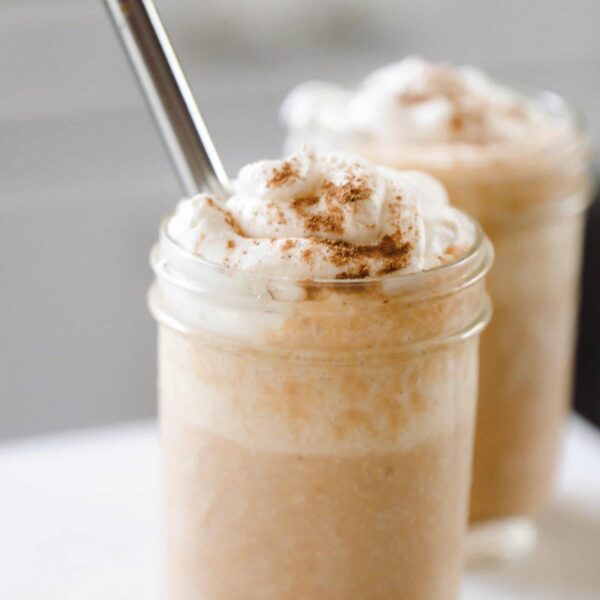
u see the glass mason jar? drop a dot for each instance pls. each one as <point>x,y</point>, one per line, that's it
<point>316,435</point>
<point>530,198</point>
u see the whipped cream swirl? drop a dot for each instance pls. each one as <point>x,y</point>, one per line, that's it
<point>314,216</point>
<point>415,101</point>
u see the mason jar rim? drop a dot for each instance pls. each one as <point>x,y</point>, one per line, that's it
<point>164,235</point>
<point>469,267</point>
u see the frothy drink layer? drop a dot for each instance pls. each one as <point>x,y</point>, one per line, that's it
<point>351,510</point>
<point>317,376</point>
<point>520,166</point>
<point>338,400</point>
<point>325,474</point>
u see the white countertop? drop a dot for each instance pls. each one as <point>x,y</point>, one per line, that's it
<point>79,516</point>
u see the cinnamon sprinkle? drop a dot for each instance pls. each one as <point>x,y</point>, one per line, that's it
<point>457,122</point>
<point>409,98</point>
<point>331,223</point>
<point>360,272</point>
<point>353,190</point>
<point>199,242</point>
<point>453,252</point>
<point>307,255</point>
<point>231,221</point>
<point>288,245</point>
<point>442,82</point>
<point>284,174</point>
<point>303,202</point>
<point>281,220</point>
<point>391,251</point>
<point>469,122</point>
<point>227,216</point>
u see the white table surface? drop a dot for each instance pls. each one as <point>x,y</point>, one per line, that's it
<point>79,516</point>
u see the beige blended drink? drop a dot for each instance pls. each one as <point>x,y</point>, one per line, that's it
<point>520,166</point>
<point>318,374</point>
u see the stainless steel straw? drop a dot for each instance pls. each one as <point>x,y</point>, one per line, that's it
<point>169,96</point>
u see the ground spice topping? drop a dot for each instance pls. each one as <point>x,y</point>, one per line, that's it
<point>284,174</point>
<point>353,190</point>
<point>391,251</point>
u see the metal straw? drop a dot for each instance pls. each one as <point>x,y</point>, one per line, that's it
<point>169,96</point>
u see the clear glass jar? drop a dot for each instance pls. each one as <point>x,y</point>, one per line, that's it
<point>316,436</point>
<point>530,198</point>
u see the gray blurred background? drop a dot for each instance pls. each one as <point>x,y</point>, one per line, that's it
<point>84,180</point>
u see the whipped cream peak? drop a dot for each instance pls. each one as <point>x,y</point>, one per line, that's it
<point>416,101</point>
<point>314,216</point>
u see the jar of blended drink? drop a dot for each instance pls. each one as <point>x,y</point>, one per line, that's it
<point>318,358</point>
<point>520,165</point>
